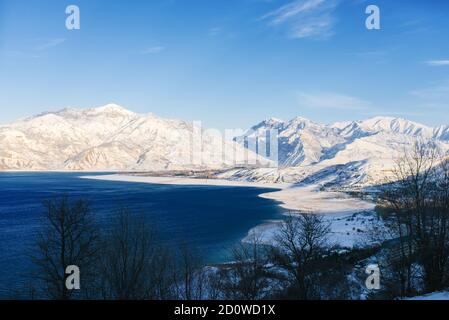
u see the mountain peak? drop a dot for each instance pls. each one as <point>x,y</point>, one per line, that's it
<point>389,120</point>
<point>300,123</point>
<point>111,108</point>
<point>269,123</point>
<point>273,120</point>
<point>396,125</point>
<point>300,119</point>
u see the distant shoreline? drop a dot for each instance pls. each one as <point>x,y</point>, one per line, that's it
<point>187,181</point>
<point>337,206</point>
<point>290,197</point>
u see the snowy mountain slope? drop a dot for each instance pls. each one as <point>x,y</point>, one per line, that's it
<point>301,141</point>
<point>357,153</point>
<point>113,138</point>
<point>109,138</point>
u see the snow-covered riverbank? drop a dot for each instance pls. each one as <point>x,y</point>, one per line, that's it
<point>346,214</point>
<point>307,199</point>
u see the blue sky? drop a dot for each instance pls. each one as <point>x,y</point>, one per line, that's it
<point>228,63</point>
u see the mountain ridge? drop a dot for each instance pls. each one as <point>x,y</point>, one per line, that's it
<point>113,138</point>
<point>351,153</point>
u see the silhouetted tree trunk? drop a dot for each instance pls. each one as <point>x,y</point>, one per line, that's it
<point>247,278</point>
<point>133,265</point>
<point>301,242</point>
<point>69,236</point>
<point>189,274</point>
<point>416,204</point>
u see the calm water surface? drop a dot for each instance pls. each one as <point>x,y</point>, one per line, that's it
<point>212,219</point>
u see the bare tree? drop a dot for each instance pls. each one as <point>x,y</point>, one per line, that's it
<point>300,243</point>
<point>189,274</point>
<point>433,238</point>
<point>248,276</point>
<point>416,210</point>
<point>69,236</point>
<point>133,265</point>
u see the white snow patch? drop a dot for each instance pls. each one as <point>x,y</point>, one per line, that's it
<point>310,199</point>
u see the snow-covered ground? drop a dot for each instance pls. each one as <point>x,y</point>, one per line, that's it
<point>348,217</point>
<point>311,199</point>
<point>346,230</point>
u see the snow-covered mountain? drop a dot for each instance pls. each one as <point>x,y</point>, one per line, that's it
<point>109,138</point>
<point>356,153</point>
<point>113,138</point>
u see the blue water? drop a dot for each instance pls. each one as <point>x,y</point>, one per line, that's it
<point>211,219</point>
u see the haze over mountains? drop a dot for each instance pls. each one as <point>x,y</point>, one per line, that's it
<point>111,138</point>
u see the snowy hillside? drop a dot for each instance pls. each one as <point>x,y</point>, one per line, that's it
<point>349,154</point>
<point>113,138</point>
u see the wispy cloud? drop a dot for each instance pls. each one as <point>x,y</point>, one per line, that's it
<point>305,18</point>
<point>384,113</point>
<point>19,54</point>
<point>215,31</point>
<point>434,98</point>
<point>49,44</point>
<point>439,91</point>
<point>335,101</point>
<point>35,50</point>
<point>153,50</point>
<point>438,63</point>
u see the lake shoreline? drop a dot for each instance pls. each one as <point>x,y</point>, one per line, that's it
<point>289,196</point>
<point>211,219</point>
<point>339,208</point>
<point>186,181</point>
